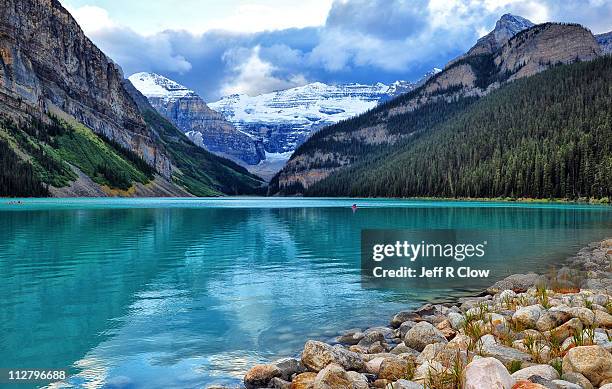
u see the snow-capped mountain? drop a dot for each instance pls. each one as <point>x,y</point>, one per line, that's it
<point>285,119</point>
<point>261,132</point>
<point>205,127</point>
<point>156,86</point>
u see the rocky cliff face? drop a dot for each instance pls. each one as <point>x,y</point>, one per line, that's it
<point>205,127</point>
<point>536,49</point>
<point>47,64</point>
<point>496,59</point>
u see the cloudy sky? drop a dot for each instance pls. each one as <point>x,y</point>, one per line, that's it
<point>220,47</point>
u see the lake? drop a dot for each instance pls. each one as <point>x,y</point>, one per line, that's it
<point>182,293</point>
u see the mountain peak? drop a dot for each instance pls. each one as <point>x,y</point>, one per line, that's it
<point>508,26</point>
<point>155,85</point>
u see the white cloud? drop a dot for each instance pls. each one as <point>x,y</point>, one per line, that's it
<point>92,18</point>
<point>255,76</point>
<point>257,16</point>
<point>126,47</point>
<point>196,16</point>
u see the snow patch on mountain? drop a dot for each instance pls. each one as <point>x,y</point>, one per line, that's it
<point>304,105</point>
<point>153,85</point>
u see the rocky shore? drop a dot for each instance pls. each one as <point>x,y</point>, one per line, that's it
<point>527,331</point>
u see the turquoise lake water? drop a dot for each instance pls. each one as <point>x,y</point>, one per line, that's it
<point>182,293</point>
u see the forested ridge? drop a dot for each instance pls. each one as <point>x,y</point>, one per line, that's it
<point>545,136</point>
<point>37,155</point>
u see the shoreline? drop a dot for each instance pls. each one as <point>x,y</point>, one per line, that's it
<point>525,331</point>
<point>522,200</point>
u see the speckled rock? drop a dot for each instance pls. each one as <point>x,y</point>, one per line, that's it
<point>423,334</point>
<point>304,381</point>
<point>393,369</point>
<point>593,362</point>
<point>527,316</point>
<point>317,355</point>
<point>487,373</point>
<point>578,379</point>
<point>551,319</point>
<point>404,384</point>
<point>544,371</point>
<point>260,375</point>
<point>333,376</point>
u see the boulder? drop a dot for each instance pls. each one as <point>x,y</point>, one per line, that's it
<point>404,384</point>
<point>578,379</point>
<point>603,319</point>
<point>507,294</point>
<point>446,329</point>
<point>516,282</point>
<point>403,349</point>
<point>545,371</point>
<point>333,376</point>
<point>393,369</point>
<point>586,316</point>
<point>423,334</point>
<point>503,353</point>
<point>350,337</point>
<point>426,310</point>
<point>304,381</point>
<point>260,376</point>
<point>279,383</point>
<point>524,384</point>
<point>403,316</point>
<point>544,382</point>
<point>405,327</point>
<point>459,342</point>
<point>358,380</point>
<point>561,384</point>
<point>599,299</point>
<point>566,330</point>
<point>487,373</point>
<point>527,316</point>
<point>373,366</point>
<point>423,372</point>
<point>288,367</point>
<point>593,362</point>
<point>601,339</point>
<point>552,319</point>
<point>376,348</point>
<point>370,339</point>
<point>429,352</point>
<point>387,332</point>
<point>317,355</point>
<point>456,320</point>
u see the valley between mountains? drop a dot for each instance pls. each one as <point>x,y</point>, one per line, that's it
<point>526,112</point>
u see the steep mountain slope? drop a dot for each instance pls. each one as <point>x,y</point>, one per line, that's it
<point>205,127</point>
<point>448,92</point>
<point>49,70</point>
<point>545,136</point>
<point>196,169</point>
<point>605,42</point>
